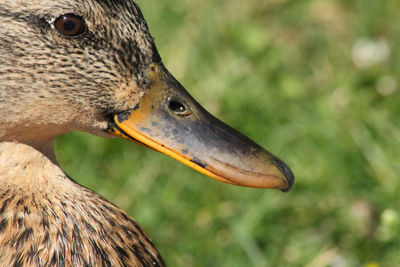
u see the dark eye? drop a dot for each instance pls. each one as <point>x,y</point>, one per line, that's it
<point>178,108</point>
<point>70,25</point>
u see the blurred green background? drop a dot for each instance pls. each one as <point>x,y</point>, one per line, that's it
<point>315,82</point>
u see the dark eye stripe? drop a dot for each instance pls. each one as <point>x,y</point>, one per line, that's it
<point>70,25</point>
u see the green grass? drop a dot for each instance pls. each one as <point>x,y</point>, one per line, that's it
<point>298,78</point>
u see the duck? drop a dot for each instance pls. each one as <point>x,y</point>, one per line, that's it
<point>92,66</point>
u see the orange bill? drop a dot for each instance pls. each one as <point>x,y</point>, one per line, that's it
<point>169,120</point>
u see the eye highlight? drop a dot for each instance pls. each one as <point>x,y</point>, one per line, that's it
<point>70,25</point>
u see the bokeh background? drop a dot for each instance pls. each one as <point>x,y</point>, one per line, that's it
<point>314,81</point>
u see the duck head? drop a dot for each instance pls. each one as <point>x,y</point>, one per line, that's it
<point>73,65</point>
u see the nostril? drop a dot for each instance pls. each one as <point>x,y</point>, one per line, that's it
<point>178,108</point>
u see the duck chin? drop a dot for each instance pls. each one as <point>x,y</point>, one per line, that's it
<point>98,128</point>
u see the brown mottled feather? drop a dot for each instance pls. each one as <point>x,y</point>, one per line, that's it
<point>50,85</point>
<point>46,218</point>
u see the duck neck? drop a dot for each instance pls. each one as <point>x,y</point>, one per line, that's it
<point>37,139</point>
<point>25,167</point>
<point>33,149</point>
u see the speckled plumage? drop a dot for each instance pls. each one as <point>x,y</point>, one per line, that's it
<point>50,85</point>
<point>46,219</point>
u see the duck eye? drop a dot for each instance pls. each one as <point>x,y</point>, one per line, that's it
<point>178,108</point>
<point>70,25</point>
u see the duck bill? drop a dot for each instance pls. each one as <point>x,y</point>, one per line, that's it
<point>169,120</point>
